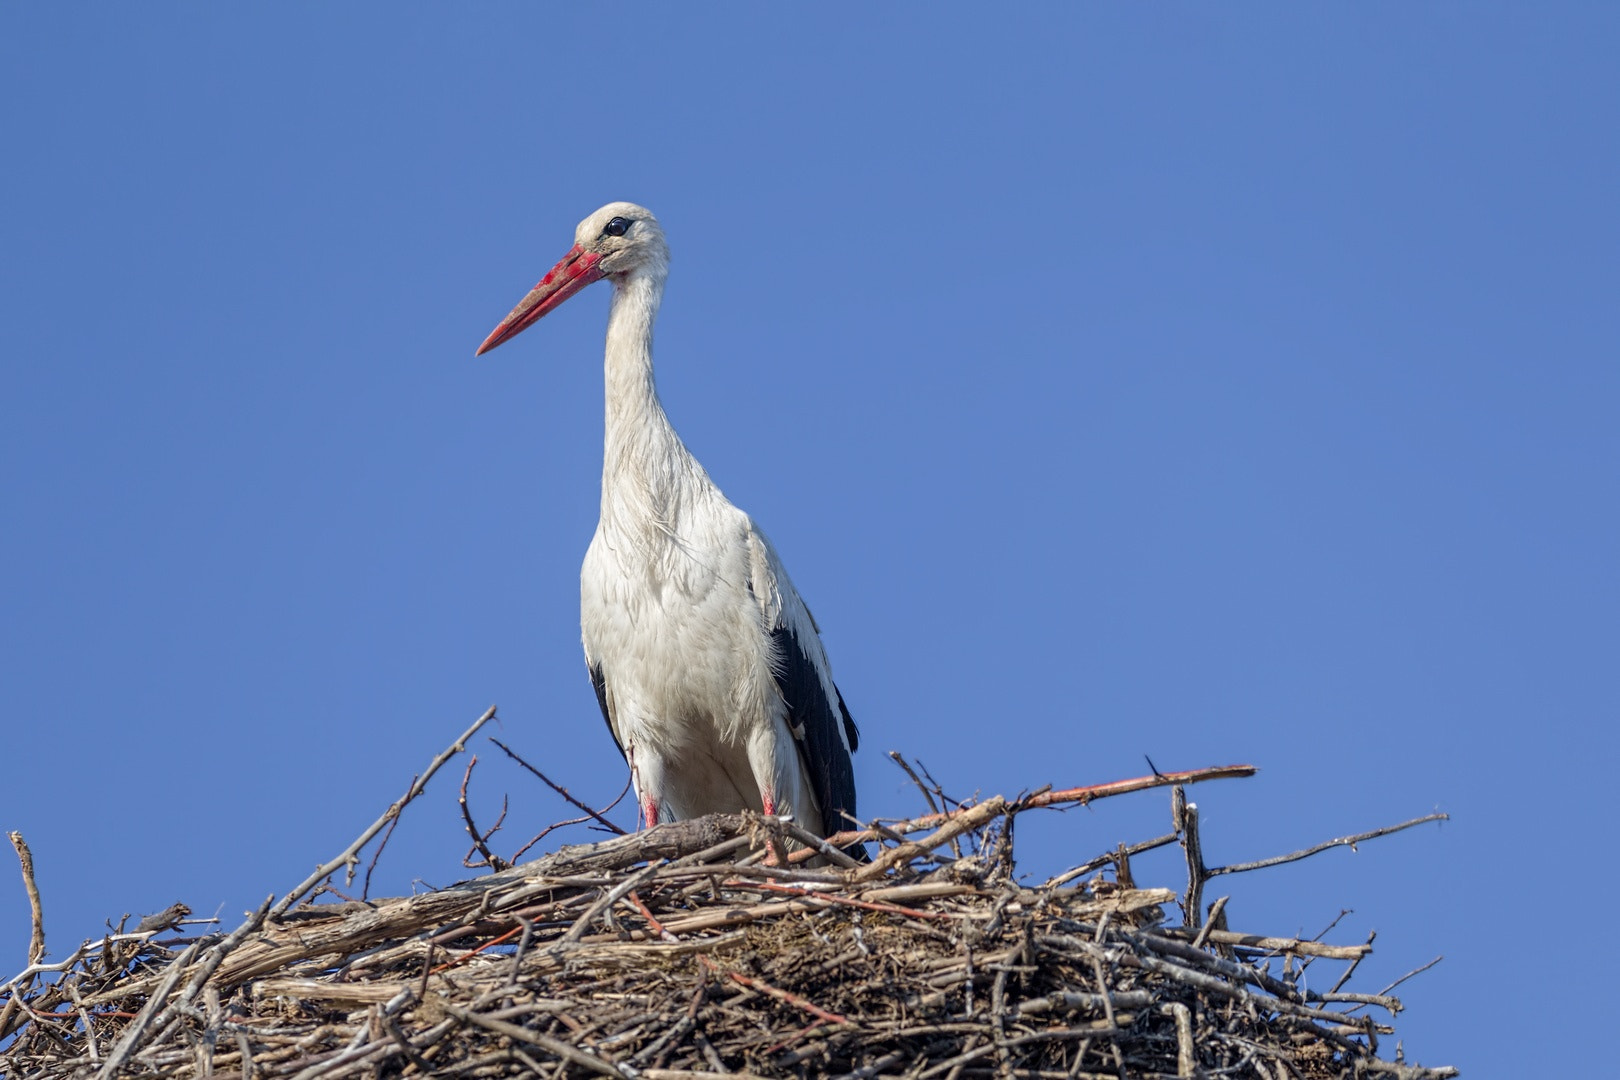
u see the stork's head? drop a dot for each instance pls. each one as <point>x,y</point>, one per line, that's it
<point>621,241</point>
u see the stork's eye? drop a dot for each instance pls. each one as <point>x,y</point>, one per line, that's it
<point>617,227</point>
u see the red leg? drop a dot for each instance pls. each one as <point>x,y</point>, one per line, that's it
<point>649,805</point>
<point>774,856</point>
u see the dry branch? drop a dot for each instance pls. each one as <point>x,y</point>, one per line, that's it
<point>36,910</point>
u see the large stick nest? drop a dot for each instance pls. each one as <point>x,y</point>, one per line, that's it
<point>679,952</point>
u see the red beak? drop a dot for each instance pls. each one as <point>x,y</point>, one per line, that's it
<point>577,269</point>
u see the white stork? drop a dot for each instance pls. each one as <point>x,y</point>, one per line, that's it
<point>708,667</point>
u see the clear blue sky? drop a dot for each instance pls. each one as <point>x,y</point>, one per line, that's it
<point>1218,384</point>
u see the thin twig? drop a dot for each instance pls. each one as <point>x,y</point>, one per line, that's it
<point>559,789</point>
<point>1081,795</point>
<point>1093,792</point>
<point>545,832</point>
<point>1342,841</point>
<point>928,796</point>
<point>1216,910</point>
<point>1112,857</point>
<point>939,789</point>
<point>348,857</point>
<point>376,853</point>
<point>1350,969</point>
<point>1415,971</point>
<point>480,839</point>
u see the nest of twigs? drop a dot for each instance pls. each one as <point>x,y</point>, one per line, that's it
<point>678,952</point>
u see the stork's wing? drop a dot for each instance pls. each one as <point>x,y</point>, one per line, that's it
<point>817,716</point>
<point>599,684</point>
<point>824,730</point>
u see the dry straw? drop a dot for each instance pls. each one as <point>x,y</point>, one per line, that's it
<point>681,952</point>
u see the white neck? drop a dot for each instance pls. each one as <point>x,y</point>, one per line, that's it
<point>642,455</point>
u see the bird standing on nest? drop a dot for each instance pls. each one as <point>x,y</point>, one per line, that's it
<point>708,666</point>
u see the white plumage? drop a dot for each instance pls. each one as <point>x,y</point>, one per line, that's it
<point>708,666</point>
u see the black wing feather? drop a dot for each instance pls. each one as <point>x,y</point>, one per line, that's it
<point>832,774</point>
<point>852,732</point>
<point>599,684</point>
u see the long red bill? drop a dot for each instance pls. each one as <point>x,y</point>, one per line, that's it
<point>577,269</point>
